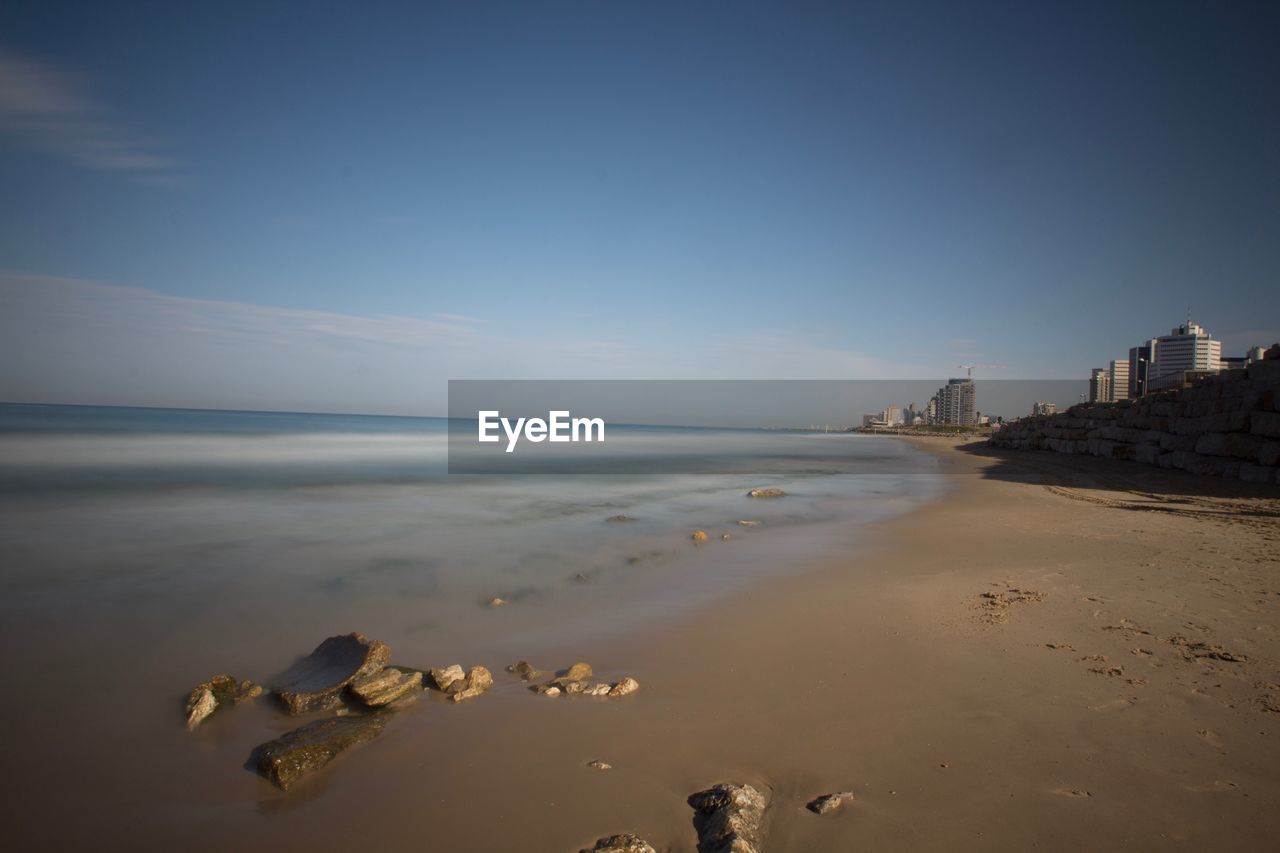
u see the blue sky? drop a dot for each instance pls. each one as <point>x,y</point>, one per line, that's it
<point>252,206</point>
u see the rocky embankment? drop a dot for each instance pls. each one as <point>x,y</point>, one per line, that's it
<point>1226,425</point>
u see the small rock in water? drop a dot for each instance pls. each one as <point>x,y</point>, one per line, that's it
<point>600,689</point>
<point>625,687</point>
<point>497,602</point>
<point>525,670</point>
<point>728,819</point>
<point>578,672</point>
<point>385,687</point>
<point>200,704</point>
<point>448,676</point>
<point>725,536</point>
<point>548,691</point>
<point>597,764</point>
<point>315,683</point>
<point>766,493</point>
<point>745,523</point>
<point>699,536</point>
<point>478,681</point>
<point>305,750</point>
<point>621,844</point>
<point>831,802</point>
<point>620,519</point>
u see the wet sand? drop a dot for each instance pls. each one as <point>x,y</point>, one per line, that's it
<point>1119,689</point>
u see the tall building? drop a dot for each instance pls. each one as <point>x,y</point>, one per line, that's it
<point>1139,367</point>
<point>956,403</point>
<point>893,415</point>
<point>1187,347</point>
<point>1100,385</point>
<point>1044,409</point>
<point>1118,380</point>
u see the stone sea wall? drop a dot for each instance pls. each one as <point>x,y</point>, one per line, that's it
<point>1226,425</point>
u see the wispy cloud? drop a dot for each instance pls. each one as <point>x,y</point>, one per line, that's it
<point>70,340</point>
<point>48,109</point>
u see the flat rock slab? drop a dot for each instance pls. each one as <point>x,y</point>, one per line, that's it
<point>315,683</point>
<point>728,818</point>
<point>305,750</point>
<point>385,687</point>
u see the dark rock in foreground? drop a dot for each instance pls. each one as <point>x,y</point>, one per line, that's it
<point>218,692</point>
<point>728,819</point>
<point>305,750</point>
<point>621,844</point>
<point>829,802</point>
<point>315,683</point>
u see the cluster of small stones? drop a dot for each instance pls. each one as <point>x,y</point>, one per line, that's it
<point>1225,425</point>
<point>460,686</point>
<point>728,817</point>
<point>347,675</point>
<point>576,681</point>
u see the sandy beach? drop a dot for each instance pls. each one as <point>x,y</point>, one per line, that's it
<point>1060,654</point>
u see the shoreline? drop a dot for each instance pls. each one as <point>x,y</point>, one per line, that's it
<point>882,670</point>
<point>871,680</point>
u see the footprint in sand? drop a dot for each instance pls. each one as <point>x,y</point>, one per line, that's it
<point>1116,705</point>
<point>1210,737</point>
<point>1217,786</point>
<point>1076,793</point>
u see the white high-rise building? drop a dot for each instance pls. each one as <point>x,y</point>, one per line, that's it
<point>956,403</point>
<point>1187,347</point>
<point>1118,377</point>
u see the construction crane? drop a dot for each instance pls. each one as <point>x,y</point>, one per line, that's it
<point>969,368</point>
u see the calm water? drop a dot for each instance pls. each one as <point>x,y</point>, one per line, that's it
<point>144,550</point>
<point>150,511</point>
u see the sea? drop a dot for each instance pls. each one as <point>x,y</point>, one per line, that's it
<point>144,550</point>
